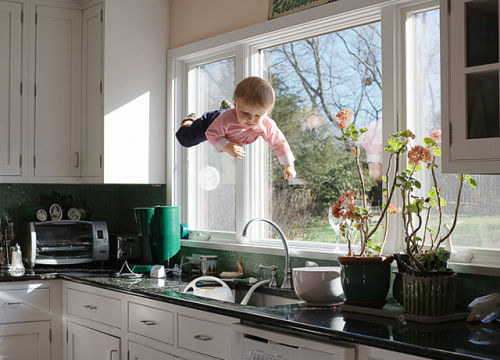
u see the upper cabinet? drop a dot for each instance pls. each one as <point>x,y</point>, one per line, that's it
<point>10,88</point>
<point>470,83</point>
<point>135,56</point>
<point>57,91</point>
<point>89,103</point>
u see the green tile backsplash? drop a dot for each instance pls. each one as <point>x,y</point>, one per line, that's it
<point>112,203</point>
<point>469,286</point>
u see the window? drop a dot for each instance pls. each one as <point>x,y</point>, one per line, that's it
<point>211,177</point>
<point>314,78</point>
<point>479,213</point>
<point>317,68</point>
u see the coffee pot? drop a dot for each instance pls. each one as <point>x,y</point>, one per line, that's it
<point>158,228</point>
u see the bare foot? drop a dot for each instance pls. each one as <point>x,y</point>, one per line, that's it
<point>187,122</point>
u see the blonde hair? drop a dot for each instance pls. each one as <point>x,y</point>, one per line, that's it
<point>255,91</point>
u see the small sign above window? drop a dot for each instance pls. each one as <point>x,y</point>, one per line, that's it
<point>279,8</point>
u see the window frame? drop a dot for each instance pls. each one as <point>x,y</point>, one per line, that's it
<point>245,45</point>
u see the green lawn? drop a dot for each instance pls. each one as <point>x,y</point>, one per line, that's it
<point>476,231</point>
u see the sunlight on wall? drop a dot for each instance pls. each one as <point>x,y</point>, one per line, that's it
<point>126,142</point>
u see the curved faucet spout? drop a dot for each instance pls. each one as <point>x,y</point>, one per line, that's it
<point>287,282</point>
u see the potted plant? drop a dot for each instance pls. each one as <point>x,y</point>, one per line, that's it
<point>365,274</point>
<point>428,287</point>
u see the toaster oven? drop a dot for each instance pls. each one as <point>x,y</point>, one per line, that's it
<point>67,242</point>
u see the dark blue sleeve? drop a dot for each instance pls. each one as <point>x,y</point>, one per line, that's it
<point>193,135</point>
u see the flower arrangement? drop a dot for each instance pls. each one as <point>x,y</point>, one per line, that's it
<point>421,239</point>
<point>352,207</point>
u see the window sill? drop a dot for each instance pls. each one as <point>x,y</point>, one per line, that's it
<point>321,254</point>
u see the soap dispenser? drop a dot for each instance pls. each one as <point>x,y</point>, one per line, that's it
<point>17,267</point>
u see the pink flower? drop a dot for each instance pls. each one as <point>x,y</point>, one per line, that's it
<point>344,117</point>
<point>345,207</point>
<point>392,209</point>
<point>419,153</point>
<point>436,135</point>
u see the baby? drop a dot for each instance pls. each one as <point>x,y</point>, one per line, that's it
<point>229,130</point>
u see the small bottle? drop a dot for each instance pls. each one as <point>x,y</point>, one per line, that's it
<point>17,267</point>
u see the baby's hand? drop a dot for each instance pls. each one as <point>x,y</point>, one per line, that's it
<point>235,150</point>
<point>289,173</point>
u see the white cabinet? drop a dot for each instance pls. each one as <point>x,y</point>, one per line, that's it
<point>140,352</point>
<point>92,115</point>
<point>57,92</point>
<point>372,353</point>
<point>470,86</point>
<point>10,88</point>
<point>30,320</point>
<point>135,48</point>
<point>83,91</point>
<point>88,344</point>
<point>25,341</point>
<point>145,329</point>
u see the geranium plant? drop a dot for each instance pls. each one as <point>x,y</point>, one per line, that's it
<point>352,208</point>
<point>422,240</point>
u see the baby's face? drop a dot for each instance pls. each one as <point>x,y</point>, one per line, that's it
<point>250,116</point>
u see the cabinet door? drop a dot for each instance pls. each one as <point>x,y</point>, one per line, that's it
<point>88,344</point>
<point>135,48</point>
<point>140,352</point>
<point>471,96</point>
<point>57,92</point>
<point>10,83</point>
<point>25,341</point>
<point>92,117</point>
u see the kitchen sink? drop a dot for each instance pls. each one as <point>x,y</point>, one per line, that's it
<point>265,299</point>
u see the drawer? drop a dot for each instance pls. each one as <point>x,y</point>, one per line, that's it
<point>204,337</point>
<point>151,322</point>
<point>94,307</point>
<point>24,304</point>
<point>140,352</point>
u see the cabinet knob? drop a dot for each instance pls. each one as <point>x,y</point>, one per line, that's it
<point>91,307</point>
<point>77,159</point>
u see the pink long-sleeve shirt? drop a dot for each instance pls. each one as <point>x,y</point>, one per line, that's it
<point>227,129</point>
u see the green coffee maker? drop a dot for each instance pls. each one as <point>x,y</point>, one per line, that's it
<point>158,228</point>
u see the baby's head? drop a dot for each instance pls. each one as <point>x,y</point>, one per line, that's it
<point>253,98</point>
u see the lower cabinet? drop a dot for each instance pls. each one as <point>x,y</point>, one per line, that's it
<point>25,341</point>
<point>88,344</point>
<point>30,320</point>
<point>140,352</point>
<point>105,324</point>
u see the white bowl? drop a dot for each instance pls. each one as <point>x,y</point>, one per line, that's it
<point>318,285</point>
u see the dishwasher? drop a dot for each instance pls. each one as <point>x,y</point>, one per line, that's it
<point>259,344</point>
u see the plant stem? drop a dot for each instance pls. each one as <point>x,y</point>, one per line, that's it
<point>456,212</point>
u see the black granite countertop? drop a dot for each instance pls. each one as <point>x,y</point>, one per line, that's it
<point>451,340</point>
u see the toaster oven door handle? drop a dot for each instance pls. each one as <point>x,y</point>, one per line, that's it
<point>61,248</point>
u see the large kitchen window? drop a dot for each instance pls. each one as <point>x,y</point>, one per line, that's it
<point>317,67</point>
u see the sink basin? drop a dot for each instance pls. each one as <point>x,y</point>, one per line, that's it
<point>262,299</point>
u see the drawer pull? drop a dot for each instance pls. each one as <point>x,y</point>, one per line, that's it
<point>203,337</point>
<point>148,322</point>
<point>12,303</point>
<point>90,307</point>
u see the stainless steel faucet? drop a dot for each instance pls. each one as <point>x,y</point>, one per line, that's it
<point>287,282</point>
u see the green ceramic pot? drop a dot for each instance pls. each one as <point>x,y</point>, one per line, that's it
<point>366,280</point>
<point>430,294</point>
